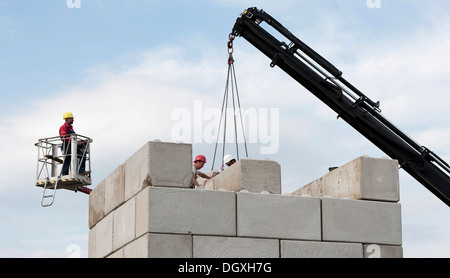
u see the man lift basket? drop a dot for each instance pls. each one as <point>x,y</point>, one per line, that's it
<point>51,157</point>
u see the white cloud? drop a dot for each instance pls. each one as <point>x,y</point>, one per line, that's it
<point>410,80</point>
<point>410,68</point>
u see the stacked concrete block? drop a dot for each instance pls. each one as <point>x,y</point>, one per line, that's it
<point>115,189</point>
<point>278,216</point>
<point>382,251</point>
<point>317,249</point>
<point>249,175</point>
<point>235,247</point>
<point>361,221</point>
<point>156,246</point>
<point>146,208</point>
<point>97,204</point>
<point>101,238</point>
<point>158,164</point>
<point>124,224</point>
<point>364,178</point>
<point>186,211</point>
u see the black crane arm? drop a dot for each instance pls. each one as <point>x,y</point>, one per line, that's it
<point>325,81</point>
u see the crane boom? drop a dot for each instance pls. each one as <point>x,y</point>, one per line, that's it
<point>325,81</point>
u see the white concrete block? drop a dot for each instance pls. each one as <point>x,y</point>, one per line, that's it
<point>160,246</point>
<point>97,204</point>
<point>158,164</point>
<point>137,248</point>
<point>364,178</point>
<point>234,247</point>
<point>117,254</point>
<point>170,246</point>
<point>314,189</point>
<point>115,189</point>
<point>380,179</point>
<point>91,244</point>
<point>101,238</point>
<point>124,224</point>
<point>186,211</point>
<point>361,221</point>
<point>142,212</point>
<point>317,249</point>
<point>382,251</point>
<point>248,174</point>
<point>278,216</point>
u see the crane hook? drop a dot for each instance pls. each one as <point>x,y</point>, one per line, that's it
<point>230,48</point>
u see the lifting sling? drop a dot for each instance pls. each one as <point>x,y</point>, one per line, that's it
<point>231,83</point>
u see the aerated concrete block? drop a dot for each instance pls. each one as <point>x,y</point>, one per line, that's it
<point>97,204</point>
<point>278,216</point>
<point>137,248</point>
<point>91,244</point>
<point>118,254</point>
<point>361,221</point>
<point>316,249</point>
<point>251,175</point>
<point>124,224</point>
<point>364,178</point>
<point>382,251</point>
<point>115,189</point>
<point>234,247</point>
<point>158,164</point>
<point>101,238</point>
<point>159,246</point>
<point>185,211</point>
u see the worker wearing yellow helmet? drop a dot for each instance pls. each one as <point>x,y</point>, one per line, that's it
<point>67,127</point>
<point>64,132</point>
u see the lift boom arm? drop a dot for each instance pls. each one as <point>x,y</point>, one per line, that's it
<point>325,81</point>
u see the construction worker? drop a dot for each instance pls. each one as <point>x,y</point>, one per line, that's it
<point>229,160</point>
<point>199,162</point>
<point>64,132</point>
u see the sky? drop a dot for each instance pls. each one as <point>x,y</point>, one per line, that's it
<point>134,71</point>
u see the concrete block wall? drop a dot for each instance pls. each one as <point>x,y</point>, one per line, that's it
<point>146,208</point>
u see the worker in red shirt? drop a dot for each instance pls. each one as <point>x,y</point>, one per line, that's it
<point>64,132</point>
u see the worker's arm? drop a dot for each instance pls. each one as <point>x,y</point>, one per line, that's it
<point>63,133</point>
<point>194,180</point>
<point>203,175</point>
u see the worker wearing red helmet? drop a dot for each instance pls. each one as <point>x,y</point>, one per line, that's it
<point>199,162</point>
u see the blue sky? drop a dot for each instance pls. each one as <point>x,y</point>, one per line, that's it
<point>124,67</point>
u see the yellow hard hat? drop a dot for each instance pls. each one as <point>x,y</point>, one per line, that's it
<point>67,115</point>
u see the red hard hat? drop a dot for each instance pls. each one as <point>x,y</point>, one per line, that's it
<point>201,158</point>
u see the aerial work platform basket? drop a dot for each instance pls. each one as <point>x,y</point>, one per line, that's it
<point>58,169</point>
